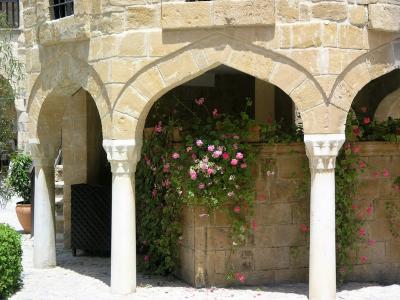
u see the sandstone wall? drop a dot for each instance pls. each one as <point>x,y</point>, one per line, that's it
<point>277,252</point>
<point>127,54</point>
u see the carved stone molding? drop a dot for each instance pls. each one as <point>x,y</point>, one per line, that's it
<point>123,155</point>
<point>43,155</point>
<point>322,150</point>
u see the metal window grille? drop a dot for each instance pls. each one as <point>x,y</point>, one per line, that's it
<point>61,8</point>
<point>10,8</point>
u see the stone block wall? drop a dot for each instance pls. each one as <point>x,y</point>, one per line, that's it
<point>277,251</point>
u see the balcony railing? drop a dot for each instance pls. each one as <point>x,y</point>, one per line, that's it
<point>61,8</point>
<point>10,10</point>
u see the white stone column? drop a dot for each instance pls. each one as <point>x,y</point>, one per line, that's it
<point>44,243</point>
<point>322,150</point>
<point>123,156</point>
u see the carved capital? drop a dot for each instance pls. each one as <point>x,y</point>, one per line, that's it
<point>123,155</point>
<point>322,150</point>
<point>43,154</point>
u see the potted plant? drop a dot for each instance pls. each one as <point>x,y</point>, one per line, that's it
<point>19,181</point>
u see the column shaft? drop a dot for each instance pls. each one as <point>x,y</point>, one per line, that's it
<point>123,241</point>
<point>44,255</point>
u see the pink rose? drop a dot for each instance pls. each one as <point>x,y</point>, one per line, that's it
<point>211,148</point>
<point>356,149</point>
<point>236,209</point>
<point>217,153</point>
<point>175,155</point>
<point>199,101</point>
<point>357,131</point>
<point>363,259</point>
<point>166,168</point>
<point>225,155</point>
<point>367,120</point>
<point>202,186</point>
<point>215,113</point>
<point>243,166</point>
<point>158,127</point>
<point>362,164</point>
<point>194,156</point>
<point>199,143</point>
<point>386,173</point>
<point>234,162</point>
<point>369,210</point>
<point>188,149</point>
<point>362,232</point>
<point>240,277</point>
<point>239,155</point>
<point>210,171</point>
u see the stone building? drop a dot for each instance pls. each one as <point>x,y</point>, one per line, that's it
<point>95,68</point>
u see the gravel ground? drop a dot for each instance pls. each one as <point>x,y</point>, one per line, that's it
<point>87,278</point>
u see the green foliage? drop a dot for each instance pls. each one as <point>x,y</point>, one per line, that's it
<point>10,261</point>
<point>18,178</point>
<point>10,86</point>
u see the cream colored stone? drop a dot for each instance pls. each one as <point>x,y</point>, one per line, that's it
<point>187,15</point>
<point>343,96</point>
<point>142,17</point>
<point>286,77</point>
<point>307,95</point>
<point>358,77</point>
<point>248,12</point>
<point>332,11</point>
<point>381,61</point>
<point>329,35</point>
<point>178,69</point>
<point>351,37</point>
<point>149,83</point>
<point>358,15</point>
<point>306,35</point>
<point>133,44</point>
<point>384,17</point>
<point>287,11</point>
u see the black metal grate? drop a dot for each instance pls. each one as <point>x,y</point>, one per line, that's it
<point>10,8</point>
<point>91,218</point>
<point>61,8</point>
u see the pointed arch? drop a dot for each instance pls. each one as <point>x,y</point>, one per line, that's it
<point>148,85</point>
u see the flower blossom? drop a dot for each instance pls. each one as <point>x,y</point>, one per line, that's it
<point>356,149</point>
<point>194,156</point>
<point>199,143</point>
<point>362,232</point>
<point>199,101</point>
<point>371,242</point>
<point>240,277</point>
<point>193,174</point>
<point>235,146</point>
<point>158,127</point>
<point>175,155</point>
<point>211,148</point>
<point>236,209</point>
<point>217,153</point>
<point>225,156</point>
<point>188,149</point>
<point>202,186</point>
<point>367,120</point>
<point>304,228</point>
<point>363,259</point>
<point>369,209</point>
<point>254,225</point>
<point>386,173</point>
<point>146,258</point>
<point>231,194</point>
<point>362,164</point>
<point>154,193</point>
<point>243,166</point>
<point>166,168</point>
<point>215,113</point>
<point>210,171</point>
<point>239,155</point>
<point>234,162</point>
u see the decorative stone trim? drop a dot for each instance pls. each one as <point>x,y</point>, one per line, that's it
<point>123,155</point>
<point>43,155</point>
<point>322,150</point>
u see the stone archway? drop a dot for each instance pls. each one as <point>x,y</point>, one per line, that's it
<point>63,78</point>
<point>359,73</point>
<point>133,104</point>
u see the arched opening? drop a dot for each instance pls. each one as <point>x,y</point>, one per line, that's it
<point>69,133</point>
<point>193,243</point>
<point>373,158</point>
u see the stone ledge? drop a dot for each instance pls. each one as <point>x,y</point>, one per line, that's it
<point>384,17</point>
<point>189,15</point>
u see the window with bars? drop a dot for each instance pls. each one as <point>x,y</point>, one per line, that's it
<point>10,10</point>
<point>61,8</point>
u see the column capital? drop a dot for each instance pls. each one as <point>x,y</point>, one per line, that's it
<point>322,150</point>
<point>43,154</point>
<point>123,155</point>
